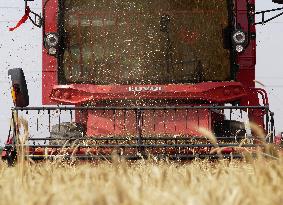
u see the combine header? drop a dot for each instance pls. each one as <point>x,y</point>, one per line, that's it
<point>143,78</point>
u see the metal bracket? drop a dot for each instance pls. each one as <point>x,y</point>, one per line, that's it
<point>264,20</point>
<point>252,14</point>
<point>36,20</point>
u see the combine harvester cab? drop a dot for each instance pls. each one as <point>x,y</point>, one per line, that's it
<point>140,79</point>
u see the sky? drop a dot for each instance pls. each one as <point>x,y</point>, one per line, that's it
<point>22,48</point>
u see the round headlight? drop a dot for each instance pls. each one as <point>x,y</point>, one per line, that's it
<point>239,37</point>
<point>239,48</point>
<point>52,40</point>
<point>52,51</point>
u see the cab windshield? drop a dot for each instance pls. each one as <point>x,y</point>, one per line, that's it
<point>144,41</point>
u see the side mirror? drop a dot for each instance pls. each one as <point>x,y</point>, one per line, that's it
<point>19,87</point>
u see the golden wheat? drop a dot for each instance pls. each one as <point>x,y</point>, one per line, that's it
<point>198,182</point>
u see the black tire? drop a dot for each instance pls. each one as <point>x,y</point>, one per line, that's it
<point>10,156</point>
<point>66,131</point>
<point>19,85</point>
<point>11,159</point>
<point>230,128</point>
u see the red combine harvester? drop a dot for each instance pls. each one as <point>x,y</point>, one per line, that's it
<point>142,78</point>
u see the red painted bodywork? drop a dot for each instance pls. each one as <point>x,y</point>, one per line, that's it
<point>214,92</point>
<point>102,123</point>
<point>242,91</point>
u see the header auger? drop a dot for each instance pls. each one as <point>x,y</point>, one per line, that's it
<point>142,80</point>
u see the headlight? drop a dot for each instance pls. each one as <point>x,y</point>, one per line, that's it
<point>52,51</point>
<point>239,37</point>
<point>239,48</point>
<point>51,40</point>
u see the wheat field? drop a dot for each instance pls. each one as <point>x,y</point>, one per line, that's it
<point>251,181</point>
<point>144,182</point>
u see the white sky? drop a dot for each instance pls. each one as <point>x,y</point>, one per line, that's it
<point>22,48</point>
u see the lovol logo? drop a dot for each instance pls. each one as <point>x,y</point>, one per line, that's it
<point>145,88</point>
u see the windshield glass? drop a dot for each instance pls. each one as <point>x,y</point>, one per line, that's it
<point>144,41</point>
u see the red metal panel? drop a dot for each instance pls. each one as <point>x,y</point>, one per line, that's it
<point>247,59</point>
<point>161,122</point>
<point>110,123</point>
<point>218,92</point>
<point>247,76</point>
<point>49,63</point>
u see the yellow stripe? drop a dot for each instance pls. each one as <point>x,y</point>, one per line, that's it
<point>13,93</point>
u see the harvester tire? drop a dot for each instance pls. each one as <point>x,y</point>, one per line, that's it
<point>19,87</point>
<point>11,159</point>
<point>67,131</point>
